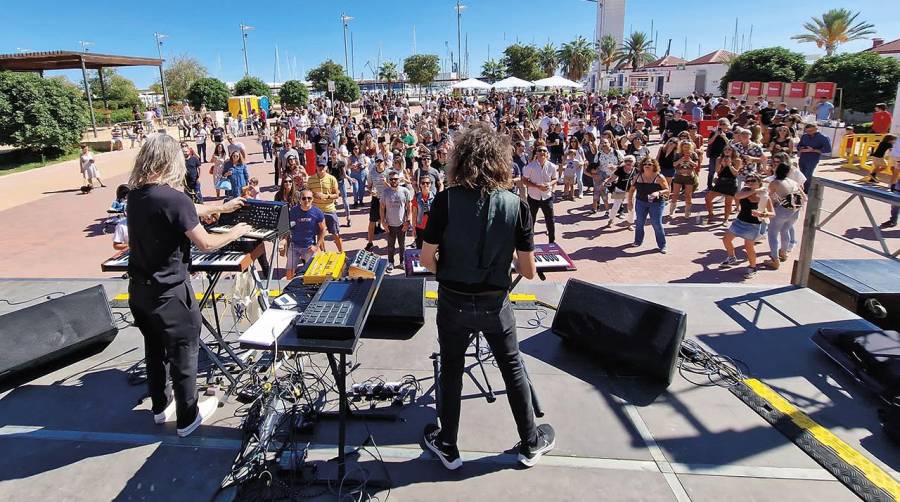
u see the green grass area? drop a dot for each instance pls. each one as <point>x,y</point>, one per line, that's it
<point>16,161</point>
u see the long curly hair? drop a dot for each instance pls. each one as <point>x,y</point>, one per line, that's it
<point>481,159</point>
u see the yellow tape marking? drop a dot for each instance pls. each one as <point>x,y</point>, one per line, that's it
<point>872,472</point>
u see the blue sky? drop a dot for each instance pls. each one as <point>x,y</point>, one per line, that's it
<point>311,32</point>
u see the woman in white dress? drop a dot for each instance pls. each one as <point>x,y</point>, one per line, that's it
<point>89,168</point>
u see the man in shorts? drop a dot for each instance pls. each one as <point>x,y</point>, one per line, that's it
<point>324,188</point>
<point>307,233</point>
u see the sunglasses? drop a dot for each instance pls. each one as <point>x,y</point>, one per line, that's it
<point>542,150</point>
<point>392,180</point>
<point>306,198</point>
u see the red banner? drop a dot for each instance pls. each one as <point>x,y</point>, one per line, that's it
<point>707,127</point>
<point>825,90</point>
<point>754,88</point>
<point>735,88</point>
<point>774,89</point>
<point>797,90</point>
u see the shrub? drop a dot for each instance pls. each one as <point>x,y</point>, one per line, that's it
<point>346,89</point>
<point>209,91</point>
<point>41,115</point>
<point>293,93</point>
<point>773,64</point>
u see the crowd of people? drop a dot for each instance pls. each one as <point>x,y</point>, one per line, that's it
<point>758,162</point>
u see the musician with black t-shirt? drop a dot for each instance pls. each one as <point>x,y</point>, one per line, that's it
<point>162,224</point>
<point>476,228</point>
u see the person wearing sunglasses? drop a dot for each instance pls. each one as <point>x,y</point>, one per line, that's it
<point>421,207</point>
<point>650,191</point>
<point>395,216</point>
<point>539,177</point>
<point>307,233</point>
<point>480,228</point>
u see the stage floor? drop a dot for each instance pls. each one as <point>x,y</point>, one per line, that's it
<point>78,433</point>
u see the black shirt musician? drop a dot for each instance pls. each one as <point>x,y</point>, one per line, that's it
<point>162,224</point>
<point>476,228</point>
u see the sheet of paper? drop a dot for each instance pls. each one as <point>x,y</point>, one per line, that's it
<point>267,328</point>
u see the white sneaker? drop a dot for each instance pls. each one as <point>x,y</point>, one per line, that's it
<point>204,411</point>
<point>168,412</point>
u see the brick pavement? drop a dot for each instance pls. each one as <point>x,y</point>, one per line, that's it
<point>52,230</point>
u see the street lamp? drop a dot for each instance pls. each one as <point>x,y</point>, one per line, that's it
<point>162,78</point>
<point>459,9</point>
<point>345,20</point>
<point>244,30</point>
<point>84,45</point>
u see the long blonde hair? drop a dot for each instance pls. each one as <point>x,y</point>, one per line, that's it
<point>159,161</point>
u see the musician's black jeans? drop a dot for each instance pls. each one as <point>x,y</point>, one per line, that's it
<point>546,207</point>
<point>458,316</point>
<point>169,319</point>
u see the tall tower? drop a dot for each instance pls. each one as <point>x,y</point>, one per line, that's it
<point>611,19</point>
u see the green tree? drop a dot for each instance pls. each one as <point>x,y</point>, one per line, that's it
<point>493,70</point>
<point>835,27</point>
<point>320,75</point>
<point>346,89</point>
<point>293,93</point>
<point>637,50</point>
<point>575,57</point>
<point>772,64</point>
<point>549,60</point>
<point>522,61</point>
<point>865,77</point>
<point>120,91</point>
<point>209,91</point>
<point>421,69</point>
<point>609,50</point>
<point>389,73</point>
<point>41,115</point>
<point>252,86</point>
<point>180,74</point>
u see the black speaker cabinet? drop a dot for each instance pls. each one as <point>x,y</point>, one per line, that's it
<point>868,288</point>
<point>49,331</point>
<point>400,302</point>
<point>620,329</point>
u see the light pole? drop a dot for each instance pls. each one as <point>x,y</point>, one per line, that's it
<point>244,30</point>
<point>345,20</point>
<point>84,45</point>
<point>162,78</point>
<point>459,9</point>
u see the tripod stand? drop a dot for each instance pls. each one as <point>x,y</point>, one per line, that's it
<point>486,390</point>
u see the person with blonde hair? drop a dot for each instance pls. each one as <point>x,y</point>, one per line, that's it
<point>687,165</point>
<point>163,222</point>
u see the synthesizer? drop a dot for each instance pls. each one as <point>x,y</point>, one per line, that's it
<point>268,219</point>
<point>363,265</point>
<point>339,309</point>
<point>547,258</point>
<point>327,265</point>
<point>220,260</point>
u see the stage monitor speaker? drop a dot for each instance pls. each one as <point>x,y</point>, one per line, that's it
<point>621,329</point>
<point>52,330</point>
<point>398,311</point>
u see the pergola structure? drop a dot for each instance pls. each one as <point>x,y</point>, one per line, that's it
<point>71,60</point>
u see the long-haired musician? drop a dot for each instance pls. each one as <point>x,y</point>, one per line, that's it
<point>162,224</point>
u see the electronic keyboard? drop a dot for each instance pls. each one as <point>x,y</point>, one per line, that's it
<point>267,219</point>
<point>220,260</point>
<point>325,265</point>
<point>363,265</point>
<point>547,258</point>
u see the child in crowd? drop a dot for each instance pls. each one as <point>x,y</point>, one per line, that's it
<point>572,166</point>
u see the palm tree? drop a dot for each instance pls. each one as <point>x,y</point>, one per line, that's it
<point>608,49</point>
<point>548,60</point>
<point>636,51</point>
<point>389,73</point>
<point>835,27</point>
<point>493,70</point>
<point>575,58</point>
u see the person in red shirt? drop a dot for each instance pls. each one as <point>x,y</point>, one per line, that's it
<point>881,119</point>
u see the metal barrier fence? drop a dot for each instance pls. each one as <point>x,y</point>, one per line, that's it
<point>857,148</point>
<point>812,223</point>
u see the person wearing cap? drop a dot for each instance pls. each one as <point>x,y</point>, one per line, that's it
<point>377,183</point>
<point>425,170</point>
<point>325,191</point>
<point>281,161</point>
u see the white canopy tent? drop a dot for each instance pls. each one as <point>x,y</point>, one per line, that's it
<point>471,83</point>
<point>557,81</point>
<point>512,83</point>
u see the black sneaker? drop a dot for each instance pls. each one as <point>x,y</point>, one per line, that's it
<point>546,440</point>
<point>448,454</point>
<point>369,246</point>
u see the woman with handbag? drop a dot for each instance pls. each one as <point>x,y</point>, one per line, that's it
<point>750,223</point>
<point>728,165</point>
<point>787,199</point>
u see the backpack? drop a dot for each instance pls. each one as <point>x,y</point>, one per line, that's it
<point>793,200</point>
